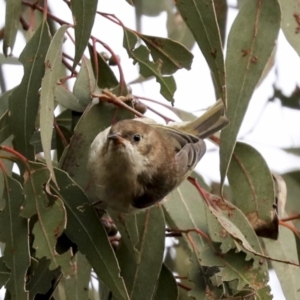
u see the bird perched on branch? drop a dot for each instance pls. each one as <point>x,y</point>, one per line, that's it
<point>135,163</point>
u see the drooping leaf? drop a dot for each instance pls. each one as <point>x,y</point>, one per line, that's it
<point>40,277</point>
<point>105,76</point>
<point>85,83</point>
<point>177,29</point>
<point>16,254</point>
<point>167,287</point>
<point>285,249</point>
<point>140,55</point>
<point>77,286</point>
<point>221,8</point>
<point>83,15</point>
<point>86,230</point>
<point>172,55</point>
<point>10,60</point>
<point>201,19</point>
<point>4,272</point>
<point>141,263</point>
<point>68,100</point>
<point>51,219</point>
<point>49,82</point>
<point>245,62</point>
<point>12,16</point>
<point>292,180</point>
<point>24,100</point>
<point>253,189</point>
<point>290,22</point>
<point>5,127</point>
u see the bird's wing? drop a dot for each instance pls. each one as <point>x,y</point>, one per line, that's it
<point>188,157</point>
<point>190,149</point>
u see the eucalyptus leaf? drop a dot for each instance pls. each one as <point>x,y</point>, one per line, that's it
<point>16,254</point>
<point>49,82</point>
<point>85,83</point>
<point>253,189</point>
<point>245,62</point>
<point>40,278</point>
<point>290,23</point>
<point>84,13</point>
<point>24,99</point>
<point>172,55</point>
<point>141,270</point>
<point>68,100</point>
<point>105,76</point>
<point>5,127</point>
<point>201,19</point>
<point>285,249</point>
<point>86,230</point>
<point>12,16</point>
<point>140,55</point>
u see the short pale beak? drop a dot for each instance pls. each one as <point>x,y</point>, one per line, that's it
<point>117,138</point>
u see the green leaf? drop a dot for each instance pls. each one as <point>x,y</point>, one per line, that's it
<point>94,120</point>
<point>12,17</point>
<point>5,127</point>
<point>247,56</point>
<point>105,77</point>
<point>51,220</point>
<point>4,272</point>
<point>200,17</point>
<point>172,54</point>
<point>65,98</point>
<point>40,277</point>
<point>253,189</point>
<point>83,15</point>
<point>49,82</point>
<point>140,55</point>
<point>292,180</point>
<point>86,230</point>
<point>203,289</point>
<point>24,99</point>
<point>167,286</point>
<point>178,31</point>
<point>185,209</point>
<point>77,286</point>
<point>141,269</point>
<point>10,60</point>
<point>85,83</point>
<point>290,22</point>
<point>285,249</point>
<point>16,254</point>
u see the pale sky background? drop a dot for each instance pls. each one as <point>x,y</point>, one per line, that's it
<point>273,126</point>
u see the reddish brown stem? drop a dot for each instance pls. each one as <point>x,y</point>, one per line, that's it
<point>291,218</point>
<point>17,154</point>
<point>183,286</point>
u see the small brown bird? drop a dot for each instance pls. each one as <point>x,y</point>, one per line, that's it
<point>135,163</point>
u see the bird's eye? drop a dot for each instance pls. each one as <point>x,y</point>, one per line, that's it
<point>137,137</point>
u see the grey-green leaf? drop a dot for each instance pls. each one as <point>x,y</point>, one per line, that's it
<point>140,55</point>
<point>24,99</point>
<point>247,56</point>
<point>253,189</point>
<point>86,230</point>
<point>49,82</point>
<point>201,19</point>
<point>83,15</point>
<point>172,54</point>
<point>12,17</point>
<point>290,22</point>
<point>16,239</point>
